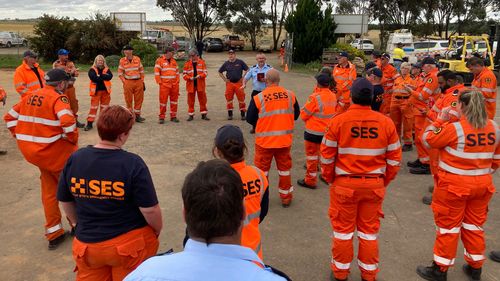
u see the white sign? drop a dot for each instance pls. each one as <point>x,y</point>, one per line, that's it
<point>129,21</point>
<point>349,24</point>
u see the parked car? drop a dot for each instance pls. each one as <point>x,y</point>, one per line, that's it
<point>213,44</point>
<point>233,42</point>
<point>265,46</point>
<point>161,38</point>
<point>363,44</point>
<point>183,42</point>
<point>9,39</point>
<point>430,48</point>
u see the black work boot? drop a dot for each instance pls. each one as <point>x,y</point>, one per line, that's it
<point>190,118</point>
<point>474,274</point>
<point>54,244</point>
<point>89,126</point>
<point>229,115</point>
<point>414,164</point>
<point>161,121</point>
<point>139,119</point>
<point>79,125</point>
<point>303,183</point>
<point>243,115</point>
<point>424,169</point>
<point>407,147</point>
<point>427,199</point>
<point>205,117</point>
<point>495,256</point>
<point>431,273</point>
<point>174,119</point>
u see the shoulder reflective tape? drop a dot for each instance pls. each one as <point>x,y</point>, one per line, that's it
<point>365,236</point>
<point>474,257</point>
<point>370,267</point>
<point>284,191</point>
<point>329,143</point>
<point>53,228</point>
<point>455,230</point>
<point>14,113</point>
<point>460,136</point>
<point>457,171</point>
<point>443,261</point>
<point>38,120</point>
<point>63,112</point>
<point>362,151</point>
<point>274,133</point>
<point>339,265</point>
<point>327,161</point>
<point>11,124</point>
<point>394,146</point>
<point>471,227</point>
<point>469,155</point>
<point>393,162</point>
<point>30,138</point>
<point>343,236</point>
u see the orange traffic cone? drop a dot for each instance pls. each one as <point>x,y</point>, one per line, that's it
<point>286,67</point>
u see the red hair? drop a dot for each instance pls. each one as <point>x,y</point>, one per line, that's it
<point>113,121</point>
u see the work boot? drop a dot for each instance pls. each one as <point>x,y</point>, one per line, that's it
<point>3,152</point>
<point>285,203</point>
<point>229,115</point>
<point>495,256</point>
<point>332,278</point>
<point>431,188</point>
<point>54,244</point>
<point>407,147</point>
<point>174,119</point>
<point>190,118</point>
<point>89,126</point>
<point>243,115</point>
<point>431,273</point>
<point>79,125</point>
<point>474,274</point>
<point>424,169</point>
<point>303,183</point>
<point>427,199</point>
<point>139,119</point>
<point>161,121</point>
<point>205,117</point>
<point>414,164</point>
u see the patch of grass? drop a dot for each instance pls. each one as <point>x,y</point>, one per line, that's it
<point>309,68</point>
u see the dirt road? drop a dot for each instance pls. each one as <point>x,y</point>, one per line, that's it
<point>296,240</point>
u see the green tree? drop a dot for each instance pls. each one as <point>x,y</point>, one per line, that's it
<point>280,9</point>
<point>51,33</point>
<point>312,30</point>
<point>250,17</point>
<point>199,17</point>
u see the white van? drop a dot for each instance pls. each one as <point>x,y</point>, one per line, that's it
<point>401,36</point>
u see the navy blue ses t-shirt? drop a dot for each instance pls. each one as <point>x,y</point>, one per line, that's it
<point>234,70</point>
<point>108,187</point>
<point>378,92</point>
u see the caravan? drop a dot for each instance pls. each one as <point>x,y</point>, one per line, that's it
<point>401,36</point>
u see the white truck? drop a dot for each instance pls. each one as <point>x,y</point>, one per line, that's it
<point>9,39</point>
<point>402,36</point>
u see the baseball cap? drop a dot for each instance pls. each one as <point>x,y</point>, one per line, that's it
<point>343,54</point>
<point>386,55</point>
<point>428,60</point>
<point>231,51</point>
<point>399,44</point>
<point>359,84</point>
<point>228,132</point>
<point>62,52</point>
<point>169,49</point>
<point>56,75</point>
<point>370,65</point>
<point>375,71</point>
<point>127,48</point>
<point>376,53</point>
<point>323,79</point>
<point>30,54</point>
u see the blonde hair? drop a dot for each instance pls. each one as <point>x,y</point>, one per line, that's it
<point>100,57</point>
<point>405,65</point>
<point>474,108</point>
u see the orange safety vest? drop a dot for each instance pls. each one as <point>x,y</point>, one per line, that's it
<point>25,79</point>
<point>166,72</point>
<point>276,117</point>
<point>188,72</point>
<point>427,88</point>
<point>131,70</point>
<point>107,83</point>
<point>344,76</point>
<point>69,67</point>
<point>448,99</point>
<point>486,82</point>
<point>463,149</point>
<point>389,75</point>
<point>45,128</point>
<point>318,110</point>
<point>255,185</point>
<point>360,141</point>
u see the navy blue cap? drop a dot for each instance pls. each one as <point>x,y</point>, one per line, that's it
<point>386,55</point>
<point>62,52</point>
<point>359,84</point>
<point>376,71</point>
<point>228,132</point>
<point>344,54</point>
<point>323,79</point>
<point>30,54</point>
<point>56,75</point>
<point>428,60</point>
<point>127,48</point>
<point>370,65</point>
<point>376,53</point>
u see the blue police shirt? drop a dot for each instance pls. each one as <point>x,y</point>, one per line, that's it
<point>199,261</point>
<point>258,82</point>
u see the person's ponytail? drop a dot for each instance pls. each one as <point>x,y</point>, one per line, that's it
<point>474,108</point>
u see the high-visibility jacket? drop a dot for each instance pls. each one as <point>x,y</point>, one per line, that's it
<point>389,74</point>
<point>166,72</point>
<point>399,89</point>
<point>448,99</point>
<point>318,110</point>
<point>188,72</point>
<point>486,82</point>
<point>428,87</point>
<point>93,85</point>
<point>344,76</point>
<point>69,67</point>
<point>274,129</point>
<point>463,149</point>
<point>360,142</point>
<point>131,70</point>
<point>25,79</point>
<point>45,128</point>
<point>255,185</point>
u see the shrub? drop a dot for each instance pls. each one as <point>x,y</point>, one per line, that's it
<point>352,51</point>
<point>145,51</point>
<point>51,34</point>
<point>113,61</point>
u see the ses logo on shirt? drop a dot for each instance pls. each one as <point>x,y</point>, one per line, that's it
<point>97,189</point>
